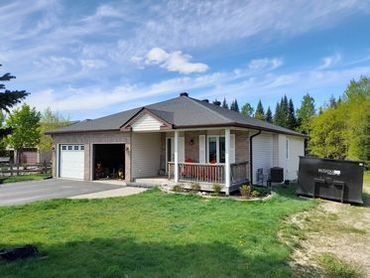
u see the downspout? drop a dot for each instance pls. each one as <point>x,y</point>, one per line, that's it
<point>251,155</point>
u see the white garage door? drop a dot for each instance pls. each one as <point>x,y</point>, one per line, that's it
<point>262,155</point>
<point>72,161</point>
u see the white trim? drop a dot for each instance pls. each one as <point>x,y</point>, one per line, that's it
<point>287,152</point>
<point>202,148</point>
<point>217,147</point>
<point>227,161</point>
<point>176,156</point>
<point>57,161</point>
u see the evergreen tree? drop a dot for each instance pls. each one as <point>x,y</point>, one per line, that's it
<point>260,113</point>
<point>247,109</point>
<point>234,106</point>
<point>305,114</point>
<point>291,119</point>
<point>269,115</point>
<point>8,98</point>
<point>281,112</point>
<point>224,104</point>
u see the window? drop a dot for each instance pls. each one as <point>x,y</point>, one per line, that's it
<point>216,149</point>
<point>287,149</point>
<point>82,147</point>
<point>69,148</point>
<point>64,148</point>
<point>76,148</point>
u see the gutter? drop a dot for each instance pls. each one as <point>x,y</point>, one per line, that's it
<point>251,154</point>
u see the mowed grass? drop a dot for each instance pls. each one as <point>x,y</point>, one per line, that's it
<point>12,179</point>
<point>151,235</point>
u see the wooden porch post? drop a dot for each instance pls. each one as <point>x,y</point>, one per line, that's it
<point>176,153</point>
<point>227,161</point>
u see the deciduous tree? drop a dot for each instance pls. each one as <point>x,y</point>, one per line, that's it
<point>247,109</point>
<point>25,123</point>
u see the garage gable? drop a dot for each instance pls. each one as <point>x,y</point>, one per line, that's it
<point>146,120</point>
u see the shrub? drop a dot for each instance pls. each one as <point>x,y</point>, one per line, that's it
<point>217,188</point>
<point>177,188</point>
<point>246,191</point>
<point>255,194</point>
<point>195,187</point>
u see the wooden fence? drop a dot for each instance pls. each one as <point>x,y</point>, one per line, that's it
<point>8,170</point>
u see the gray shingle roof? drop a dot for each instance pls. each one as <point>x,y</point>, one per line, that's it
<point>181,112</point>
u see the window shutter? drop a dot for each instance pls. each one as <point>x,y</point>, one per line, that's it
<point>232,148</point>
<point>181,149</point>
<point>202,149</point>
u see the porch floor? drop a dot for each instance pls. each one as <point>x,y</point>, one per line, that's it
<point>153,181</point>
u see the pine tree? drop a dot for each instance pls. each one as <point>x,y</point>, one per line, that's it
<point>224,104</point>
<point>278,116</point>
<point>260,113</point>
<point>234,106</point>
<point>291,119</point>
<point>269,115</point>
<point>8,99</point>
<point>305,114</point>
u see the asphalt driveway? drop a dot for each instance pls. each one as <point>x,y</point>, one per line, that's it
<point>30,191</point>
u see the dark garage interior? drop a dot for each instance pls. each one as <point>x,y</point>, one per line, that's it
<point>109,161</point>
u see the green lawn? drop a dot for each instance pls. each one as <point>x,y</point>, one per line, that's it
<point>25,178</point>
<point>151,235</point>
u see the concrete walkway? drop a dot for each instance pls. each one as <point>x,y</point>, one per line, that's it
<point>120,192</point>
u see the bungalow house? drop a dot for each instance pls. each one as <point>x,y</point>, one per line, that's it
<point>184,139</point>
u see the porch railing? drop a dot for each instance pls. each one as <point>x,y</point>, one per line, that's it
<point>210,173</point>
<point>239,172</point>
<point>198,172</point>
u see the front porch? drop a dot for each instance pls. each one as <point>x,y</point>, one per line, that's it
<point>207,174</point>
<point>204,156</point>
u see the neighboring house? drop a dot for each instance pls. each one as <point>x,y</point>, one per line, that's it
<point>32,155</point>
<point>189,140</point>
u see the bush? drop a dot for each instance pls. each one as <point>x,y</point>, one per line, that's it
<point>255,194</point>
<point>246,191</point>
<point>217,189</point>
<point>177,188</point>
<point>195,187</point>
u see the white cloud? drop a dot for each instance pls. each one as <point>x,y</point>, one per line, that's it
<point>107,11</point>
<point>175,61</point>
<point>89,64</point>
<point>215,85</point>
<point>330,61</point>
<point>260,64</point>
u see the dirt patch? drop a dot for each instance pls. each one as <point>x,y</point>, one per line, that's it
<point>336,228</point>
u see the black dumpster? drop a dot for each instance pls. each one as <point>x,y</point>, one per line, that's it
<point>340,180</point>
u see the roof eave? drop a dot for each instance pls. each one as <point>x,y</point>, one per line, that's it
<point>235,124</point>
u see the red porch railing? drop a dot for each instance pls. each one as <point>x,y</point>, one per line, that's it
<point>210,173</point>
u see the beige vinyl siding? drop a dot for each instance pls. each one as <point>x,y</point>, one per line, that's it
<point>146,151</point>
<point>146,123</point>
<point>296,149</point>
<point>262,154</point>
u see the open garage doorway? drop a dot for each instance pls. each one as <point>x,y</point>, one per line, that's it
<point>109,161</point>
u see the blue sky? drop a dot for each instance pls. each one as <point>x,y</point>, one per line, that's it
<point>87,59</point>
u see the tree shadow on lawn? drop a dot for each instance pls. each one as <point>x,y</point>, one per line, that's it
<point>126,258</point>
